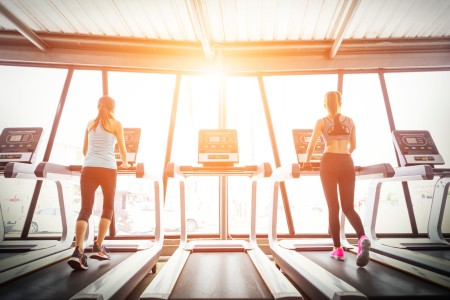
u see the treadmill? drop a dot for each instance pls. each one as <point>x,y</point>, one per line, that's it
<point>418,156</point>
<point>18,148</point>
<point>51,278</point>
<point>219,269</point>
<point>310,267</point>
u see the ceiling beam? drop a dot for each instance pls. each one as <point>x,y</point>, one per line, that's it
<point>237,64</point>
<point>198,16</point>
<point>23,29</point>
<point>352,7</point>
<point>55,41</point>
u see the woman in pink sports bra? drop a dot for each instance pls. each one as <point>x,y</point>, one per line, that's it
<point>337,173</point>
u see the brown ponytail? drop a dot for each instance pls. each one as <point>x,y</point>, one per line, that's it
<point>106,106</point>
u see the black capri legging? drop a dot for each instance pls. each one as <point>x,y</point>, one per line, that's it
<point>91,178</point>
<point>337,170</point>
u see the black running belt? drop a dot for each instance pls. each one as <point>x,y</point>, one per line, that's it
<point>220,275</point>
<point>425,246</point>
<point>376,280</point>
<point>444,254</point>
<point>59,281</point>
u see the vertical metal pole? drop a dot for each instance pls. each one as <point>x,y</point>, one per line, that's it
<point>340,81</point>
<point>276,155</point>
<point>48,150</point>
<point>172,120</point>
<point>409,206</point>
<point>223,180</point>
<point>105,82</point>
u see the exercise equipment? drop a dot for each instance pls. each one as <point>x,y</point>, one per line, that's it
<point>220,269</point>
<point>132,260</point>
<point>307,263</point>
<point>418,156</point>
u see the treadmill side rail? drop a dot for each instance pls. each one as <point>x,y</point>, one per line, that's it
<point>277,283</point>
<point>311,278</point>
<point>162,285</point>
<point>123,278</point>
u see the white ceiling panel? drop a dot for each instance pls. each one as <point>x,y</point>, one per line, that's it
<point>292,26</point>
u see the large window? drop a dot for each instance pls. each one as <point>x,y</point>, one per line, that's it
<point>29,99</point>
<point>296,102</point>
<point>198,108</point>
<point>363,101</point>
<point>420,101</point>
<point>144,100</point>
<point>80,106</point>
<point>246,114</point>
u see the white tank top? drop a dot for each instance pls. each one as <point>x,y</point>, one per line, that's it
<point>100,149</point>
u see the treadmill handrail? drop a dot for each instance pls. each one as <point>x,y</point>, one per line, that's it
<point>47,169</point>
<point>174,170</point>
<point>53,170</point>
<point>383,170</point>
<point>283,173</point>
<point>426,172</point>
<point>19,170</point>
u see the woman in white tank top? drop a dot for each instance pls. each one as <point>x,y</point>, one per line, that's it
<point>99,169</point>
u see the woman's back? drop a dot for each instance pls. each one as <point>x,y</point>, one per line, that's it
<point>100,149</point>
<point>337,139</point>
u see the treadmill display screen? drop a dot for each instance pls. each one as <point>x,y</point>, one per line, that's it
<point>218,146</point>
<point>411,140</point>
<point>132,137</point>
<point>19,144</point>
<point>302,137</point>
<point>15,138</point>
<point>214,139</point>
<point>20,139</point>
<point>416,147</point>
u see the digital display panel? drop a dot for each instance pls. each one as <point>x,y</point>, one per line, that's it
<point>416,147</point>
<point>15,138</point>
<point>411,140</point>
<point>19,144</point>
<point>214,139</point>
<point>218,146</point>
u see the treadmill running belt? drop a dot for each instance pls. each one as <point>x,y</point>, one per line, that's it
<point>220,275</point>
<point>59,281</point>
<point>444,254</point>
<point>376,280</point>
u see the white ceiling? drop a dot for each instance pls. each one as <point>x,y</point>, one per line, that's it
<point>208,30</point>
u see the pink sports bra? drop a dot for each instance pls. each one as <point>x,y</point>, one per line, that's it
<point>327,130</point>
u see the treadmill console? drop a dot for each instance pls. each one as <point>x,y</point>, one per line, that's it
<point>302,137</point>
<point>19,144</point>
<point>218,147</point>
<point>132,137</point>
<point>416,147</point>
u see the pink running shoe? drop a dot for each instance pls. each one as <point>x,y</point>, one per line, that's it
<point>338,254</point>
<point>363,256</point>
